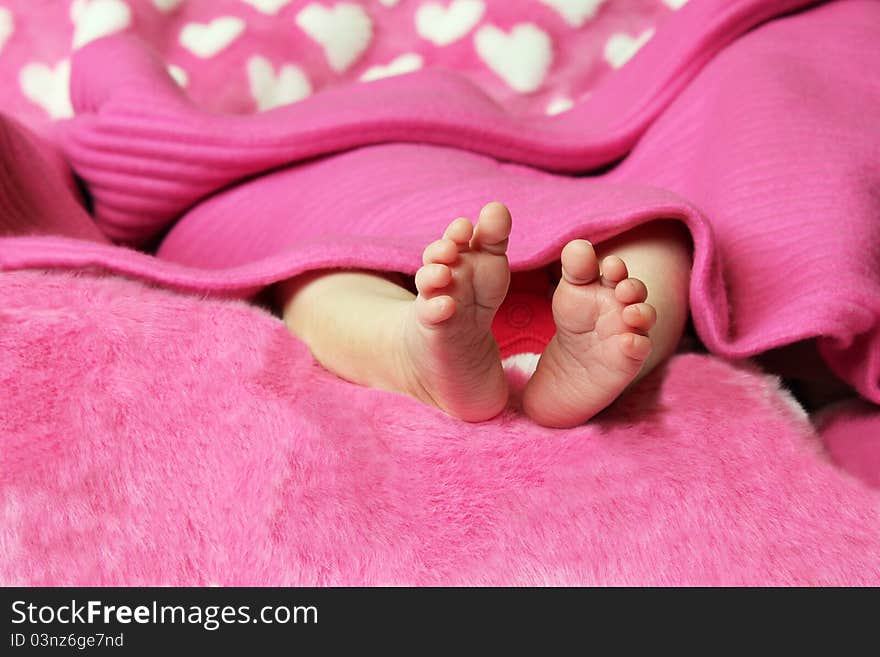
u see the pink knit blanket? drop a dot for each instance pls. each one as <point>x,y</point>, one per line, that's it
<point>138,422</point>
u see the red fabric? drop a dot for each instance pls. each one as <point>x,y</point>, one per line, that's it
<point>524,323</point>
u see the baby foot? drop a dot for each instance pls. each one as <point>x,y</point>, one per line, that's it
<point>601,339</point>
<point>451,359</point>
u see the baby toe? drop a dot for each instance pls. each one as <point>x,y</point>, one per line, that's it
<point>641,316</point>
<point>432,277</point>
<point>630,290</point>
<point>635,346</point>
<point>436,310</point>
<point>460,231</point>
<point>613,270</point>
<point>444,251</point>
<point>579,264</point>
<point>493,228</point>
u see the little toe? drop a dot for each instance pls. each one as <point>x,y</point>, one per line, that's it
<point>613,270</point>
<point>444,251</point>
<point>436,310</point>
<point>432,277</point>
<point>460,231</point>
<point>635,346</point>
<point>493,228</point>
<point>579,264</point>
<point>631,290</point>
<point>641,316</point>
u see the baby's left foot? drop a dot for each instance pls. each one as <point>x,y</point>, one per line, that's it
<point>600,344</point>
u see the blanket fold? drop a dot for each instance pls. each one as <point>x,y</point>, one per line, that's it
<point>148,154</point>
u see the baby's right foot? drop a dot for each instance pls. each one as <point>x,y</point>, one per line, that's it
<point>450,357</point>
<point>601,339</point>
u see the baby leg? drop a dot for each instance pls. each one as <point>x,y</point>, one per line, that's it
<point>611,329</point>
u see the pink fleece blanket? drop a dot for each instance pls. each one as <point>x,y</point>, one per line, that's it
<point>153,439</point>
<point>748,121</point>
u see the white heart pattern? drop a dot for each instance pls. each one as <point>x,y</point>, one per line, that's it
<point>389,3</point>
<point>166,5</point>
<point>575,12</point>
<point>559,105</point>
<point>6,26</point>
<point>675,4</point>
<point>97,18</point>
<point>270,90</point>
<point>206,40</point>
<point>444,25</point>
<point>180,76</point>
<point>620,48</point>
<point>270,7</point>
<point>48,87</point>
<point>77,7</point>
<point>521,58</point>
<point>344,31</point>
<point>406,63</point>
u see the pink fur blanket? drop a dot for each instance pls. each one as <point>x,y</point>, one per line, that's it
<point>155,436</point>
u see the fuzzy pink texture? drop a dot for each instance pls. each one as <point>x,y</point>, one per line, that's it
<point>150,437</point>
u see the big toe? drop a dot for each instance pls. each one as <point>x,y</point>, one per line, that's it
<point>579,263</point>
<point>493,228</point>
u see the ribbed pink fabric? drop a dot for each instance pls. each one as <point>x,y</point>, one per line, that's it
<point>759,136</point>
<point>37,192</point>
<point>851,434</point>
<point>149,154</point>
